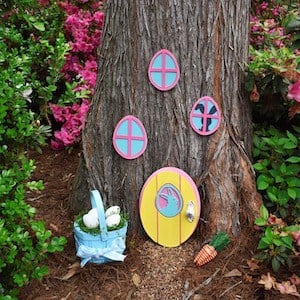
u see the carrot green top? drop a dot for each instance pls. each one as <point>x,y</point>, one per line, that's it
<point>219,241</point>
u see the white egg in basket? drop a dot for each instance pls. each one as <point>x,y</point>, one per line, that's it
<point>113,210</point>
<point>90,221</point>
<point>113,220</point>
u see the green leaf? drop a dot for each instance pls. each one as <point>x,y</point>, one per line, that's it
<point>40,272</point>
<point>289,145</point>
<point>260,221</point>
<point>272,196</point>
<point>262,182</point>
<point>283,168</point>
<point>269,234</point>
<point>262,245</point>
<point>258,167</point>
<point>57,244</point>
<point>291,228</point>
<point>278,242</point>
<point>296,128</point>
<point>39,26</point>
<point>293,182</point>
<point>283,197</point>
<point>275,264</point>
<point>293,170</point>
<point>264,212</point>
<point>279,179</point>
<point>287,242</point>
<point>256,152</point>
<point>275,172</point>
<point>291,137</point>
<point>292,193</point>
<point>293,159</point>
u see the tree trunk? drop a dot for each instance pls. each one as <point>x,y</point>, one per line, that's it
<point>210,41</point>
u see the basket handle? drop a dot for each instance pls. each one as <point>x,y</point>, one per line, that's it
<point>96,202</point>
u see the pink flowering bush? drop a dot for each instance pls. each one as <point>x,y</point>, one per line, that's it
<point>265,24</point>
<point>274,60</point>
<point>273,81</point>
<point>82,28</point>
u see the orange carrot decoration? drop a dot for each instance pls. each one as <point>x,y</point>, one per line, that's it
<point>210,251</point>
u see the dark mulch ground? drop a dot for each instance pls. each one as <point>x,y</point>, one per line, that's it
<point>149,271</point>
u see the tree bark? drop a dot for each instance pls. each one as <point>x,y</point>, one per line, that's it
<point>210,41</point>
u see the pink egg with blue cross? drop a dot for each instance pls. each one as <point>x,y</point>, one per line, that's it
<point>205,116</point>
<point>130,138</point>
<point>163,71</point>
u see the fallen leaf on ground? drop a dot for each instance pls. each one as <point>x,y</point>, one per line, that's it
<point>247,278</point>
<point>295,279</point>
<point>268,281</point>
<point>136,279</point>
<point>253,264</point>
<point>286,288</point>
<point>233,273</point>
<point>54,227</point>
<point>73,269</point>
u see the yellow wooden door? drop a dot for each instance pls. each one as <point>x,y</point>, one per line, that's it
<point>164,201</point>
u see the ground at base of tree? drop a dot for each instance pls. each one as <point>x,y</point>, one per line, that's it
<point>149,270</point>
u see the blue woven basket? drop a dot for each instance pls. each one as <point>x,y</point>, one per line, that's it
<point>104,247</point>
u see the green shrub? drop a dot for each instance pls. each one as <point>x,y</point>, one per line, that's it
<point>24,242</point>
<point>32,50</point>
<point>32,34</point>
<point>276,244</point>
<point>18,123</point>
<point>278,166</point>
<point>274,60</point>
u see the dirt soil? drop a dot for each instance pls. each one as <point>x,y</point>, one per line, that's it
<point>149,271</point>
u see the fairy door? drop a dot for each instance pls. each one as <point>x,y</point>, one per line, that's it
<point>169,206</point>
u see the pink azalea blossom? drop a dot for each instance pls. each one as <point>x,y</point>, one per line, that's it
<point>294,91</point>
<point>263,6</point>
<point>57,145</point>
<point>83,29</point>
<point>73,119</point>
<point>67,7</point>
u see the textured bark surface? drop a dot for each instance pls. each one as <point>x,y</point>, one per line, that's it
<point>210,41</point>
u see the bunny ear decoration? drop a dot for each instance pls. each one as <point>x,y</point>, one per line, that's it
<point>164,206</point>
